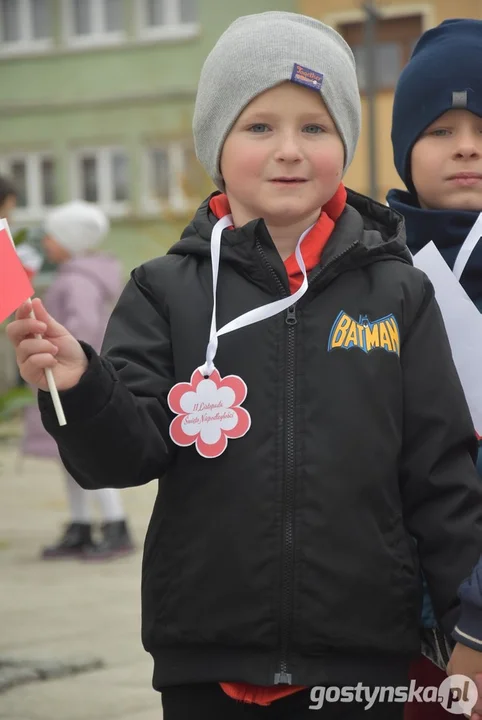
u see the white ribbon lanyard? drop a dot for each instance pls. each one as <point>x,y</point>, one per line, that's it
<point>252,316</point>
<point>467,248</point>
<point>463,256</point>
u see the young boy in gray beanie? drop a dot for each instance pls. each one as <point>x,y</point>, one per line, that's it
<point>285,372</point>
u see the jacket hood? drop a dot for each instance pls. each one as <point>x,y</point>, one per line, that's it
<point>448,229</point>
<point>378,230</point>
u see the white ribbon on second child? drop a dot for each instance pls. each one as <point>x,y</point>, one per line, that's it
<point>252,316</point>
<point>463,320</point>
<point>467,248</point>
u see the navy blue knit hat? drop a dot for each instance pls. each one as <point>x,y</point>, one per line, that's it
<point>444,73</point>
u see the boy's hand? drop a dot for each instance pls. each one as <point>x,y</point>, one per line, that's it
<point>57,349</point>
<point>468,662</point>
<point>477,714</point>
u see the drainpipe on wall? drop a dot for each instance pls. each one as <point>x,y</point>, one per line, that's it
<point>371,17</point>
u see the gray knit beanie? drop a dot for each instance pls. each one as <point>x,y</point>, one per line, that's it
<point>260,51</point>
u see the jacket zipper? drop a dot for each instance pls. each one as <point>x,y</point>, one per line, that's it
<point>441,645</point>
<point>283,676</point>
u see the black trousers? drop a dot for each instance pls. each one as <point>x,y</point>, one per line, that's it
<point>210,702</point>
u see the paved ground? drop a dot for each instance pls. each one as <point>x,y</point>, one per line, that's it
<point>63,610</point>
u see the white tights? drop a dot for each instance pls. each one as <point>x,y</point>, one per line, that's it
<point>80,502</point>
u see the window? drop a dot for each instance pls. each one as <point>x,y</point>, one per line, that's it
<point>395,39</point>
<point>25,25</point>
<point>47,181</point>
<point>41,18</point>
<point>89,178</point>
<point>159,174</point>
<point>34,176</point>
<point>101,175</point>
<point>169,18</point>
<point>172,176</point>
<point>18,173</point>
<point>95,21</point>
<point>113,15</point>
<point>120,176</point>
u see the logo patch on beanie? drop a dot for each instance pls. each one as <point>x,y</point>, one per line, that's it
<point>305,76</point>
<point>459,99</point>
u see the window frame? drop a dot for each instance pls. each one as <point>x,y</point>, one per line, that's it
<point>27,43</point>
<point>174,29</point>
<point>99,35</point>
<point>425,12</point>
<point>35,209</point>
<point>178,200</point>
<point>105,186</point>
<point>397,31</point>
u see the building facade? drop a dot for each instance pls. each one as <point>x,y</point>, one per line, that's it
<point>399,25</point>
<point>96,102</point>
<point>97,97</point>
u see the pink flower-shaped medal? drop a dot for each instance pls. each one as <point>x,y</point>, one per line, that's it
<point>208,412</point>
<point>208,408</point>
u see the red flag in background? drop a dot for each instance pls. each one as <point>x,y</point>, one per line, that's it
<point>15,286</point>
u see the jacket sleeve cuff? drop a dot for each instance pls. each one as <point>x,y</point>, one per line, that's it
<point>85,400</point>
<point>468,629</point>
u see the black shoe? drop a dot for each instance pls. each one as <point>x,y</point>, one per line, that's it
<point>76,540</point>
<point>116,542</point>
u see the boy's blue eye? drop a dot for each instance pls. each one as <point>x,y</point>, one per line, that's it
<point>313,129</point>
<point>258,128</point>
<point>440,132</point>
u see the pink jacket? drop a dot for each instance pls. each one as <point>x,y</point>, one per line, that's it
<point>81,297</point>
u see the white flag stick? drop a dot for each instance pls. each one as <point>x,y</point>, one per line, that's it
<point>48,371</point>
<point>52,386</point>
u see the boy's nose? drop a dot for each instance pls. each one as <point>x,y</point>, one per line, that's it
<point>288,149</point>
<point>469,147</point>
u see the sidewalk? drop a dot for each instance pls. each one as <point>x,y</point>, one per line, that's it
<point>63,610</point>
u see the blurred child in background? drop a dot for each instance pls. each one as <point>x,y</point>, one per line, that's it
<point>82,294</point>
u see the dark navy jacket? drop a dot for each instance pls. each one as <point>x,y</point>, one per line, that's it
<point>448,230</point>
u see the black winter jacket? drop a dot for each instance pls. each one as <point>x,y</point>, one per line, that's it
<point>290,557</point>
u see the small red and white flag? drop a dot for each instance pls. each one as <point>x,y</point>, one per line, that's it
<point>15,285</point>
<point>15,289</point>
